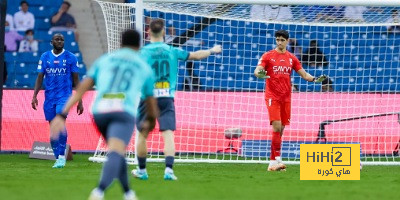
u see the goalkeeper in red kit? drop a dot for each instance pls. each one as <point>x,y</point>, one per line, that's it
<point>276,67</point>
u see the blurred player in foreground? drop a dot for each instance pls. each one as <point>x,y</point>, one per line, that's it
<point>57,66</point>
<point>164,61</point>
<point>120,77</point>
<point>276,67</point>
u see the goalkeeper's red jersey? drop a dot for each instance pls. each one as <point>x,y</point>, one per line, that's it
<point>279,67</point>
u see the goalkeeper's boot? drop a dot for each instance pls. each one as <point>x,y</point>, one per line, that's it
<point>282,166</point>
<point>169,175</point>
<point>130,195</point>
<point>60,163</point>
<point>140,174</point>
<point>276,166</point>
<point>280,163</point>
<point>96,194</point>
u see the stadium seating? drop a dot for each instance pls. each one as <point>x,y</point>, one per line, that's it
<point>21,67</point>
<point>374,63</point>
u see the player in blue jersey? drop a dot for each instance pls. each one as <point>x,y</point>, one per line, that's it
<point>164,61</point>
<point>120,78</point>
<point>59,68</point>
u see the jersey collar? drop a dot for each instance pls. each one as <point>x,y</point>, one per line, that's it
<point>158,42</point>
<point>57,54</point>
<point>280,52</point>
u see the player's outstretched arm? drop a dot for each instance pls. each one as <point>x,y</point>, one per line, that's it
<point>260,72</point>
<point>38,85</point>
<point>201,54</point>
<point>79,108</point>
<point>306,76</point>
<point>58,123</point>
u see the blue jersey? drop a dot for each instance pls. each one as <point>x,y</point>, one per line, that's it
<point>163,59</point>
<point>57,70</point>
<point>120,77</point>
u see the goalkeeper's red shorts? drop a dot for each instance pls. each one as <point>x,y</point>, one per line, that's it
<point>278,111</point>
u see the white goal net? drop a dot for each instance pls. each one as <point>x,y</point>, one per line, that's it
<point>220,106</point>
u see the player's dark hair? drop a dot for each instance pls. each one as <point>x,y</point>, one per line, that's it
<point>29,31</point>
<point>282,33</point>
<point>131,37</point>
<point>67,3</point>
<point>156,26</point>
<point>313,43</point>
<point>57,34</point>
<point>23,2</point>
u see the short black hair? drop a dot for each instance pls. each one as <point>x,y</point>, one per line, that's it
<point>156,25</point>
<point>131,37</point>
<point>57,34</point>
<point>23,2</point>
<point>282,33</point>
<point>29,31</point>
<point>68,3</point>
<point>313,43</point>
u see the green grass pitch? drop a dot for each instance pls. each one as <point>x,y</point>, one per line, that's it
<point>24,178</point>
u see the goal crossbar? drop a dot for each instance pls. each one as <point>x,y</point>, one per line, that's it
<point>287,2</point>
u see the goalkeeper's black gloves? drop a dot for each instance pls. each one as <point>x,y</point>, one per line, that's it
<point>320,79</point>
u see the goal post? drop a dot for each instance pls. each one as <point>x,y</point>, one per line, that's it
<point>357,46</point>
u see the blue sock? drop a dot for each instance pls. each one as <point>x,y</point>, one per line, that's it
<point>54,145</point>
<point>169,161</point>
<point>123,176</point>
<point>142,162</point>
<point>111,170</point>
<point>62,142</point>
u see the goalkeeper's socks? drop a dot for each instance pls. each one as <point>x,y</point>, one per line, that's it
<point>272,163</point>
<point>142,163</point>
<point>169,161</point>
<point>272,156</point>
<point>111,170</point>
<point>55,146</point>
<point>276,142</point>
<point>123,176</point>
<point>62,142</point>
<point>278,159</point>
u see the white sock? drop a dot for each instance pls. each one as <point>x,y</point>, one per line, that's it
<point>130,193</point>
<point>142,170</point>
<point>169,170</point>
<point>60,156</point>
<point>98,192</point>
<point>278,159</point>
<point>273,162</point>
